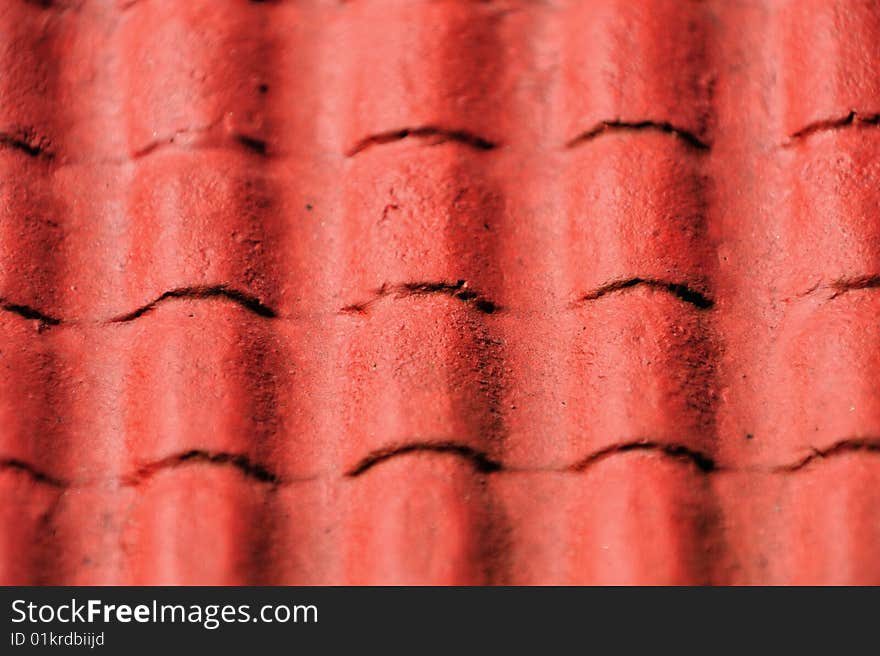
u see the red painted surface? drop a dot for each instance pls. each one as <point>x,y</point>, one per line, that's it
<point>439,292</point>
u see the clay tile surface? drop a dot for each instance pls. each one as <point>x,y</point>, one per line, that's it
<point>439,292</point>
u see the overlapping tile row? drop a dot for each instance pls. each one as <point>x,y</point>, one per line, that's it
<point>438,292</point>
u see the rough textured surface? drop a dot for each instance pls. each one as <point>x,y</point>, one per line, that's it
<point>405,291</point>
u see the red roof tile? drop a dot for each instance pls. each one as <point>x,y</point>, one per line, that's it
<point>439,291</point>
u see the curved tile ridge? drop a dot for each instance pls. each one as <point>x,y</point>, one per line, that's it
<point>843,285</point>
<point>247,301</point>
<point>458,290</point>
<point>204,137</point>
<point>702,461</point>
<point>27,141</point>
<point>433,134</point>
<point>852,119</point>
<point>480,460</point>
<point>35,474</point>
<point>680,290</point>
<point>241,462</point>
<point>28,312</point>
<point>849,445</point>
<point>617,125</point>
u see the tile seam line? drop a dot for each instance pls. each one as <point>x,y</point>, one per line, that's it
<point>483,464</point>
<point>458,290</point>
<point>360,310</point>
<point>246,144</point>
<point>56,161</point>
<point>258,147</point>
<point>469,297</point>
